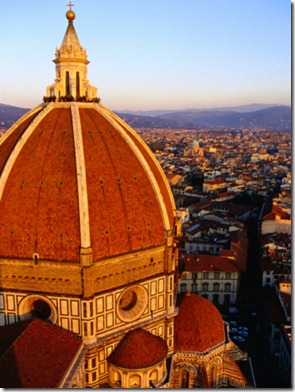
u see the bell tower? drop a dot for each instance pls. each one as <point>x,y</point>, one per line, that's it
<point>71,67</point>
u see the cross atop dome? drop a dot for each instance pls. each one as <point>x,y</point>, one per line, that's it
<point>70,5</point>
<point>70,14</point>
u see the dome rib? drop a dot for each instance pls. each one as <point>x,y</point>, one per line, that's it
<point>164,184</point>
<point>81,178</point>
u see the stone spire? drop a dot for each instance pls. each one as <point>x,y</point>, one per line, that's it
<point>71,67</point>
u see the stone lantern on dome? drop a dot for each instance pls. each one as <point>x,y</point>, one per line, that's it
<point>71,67</point>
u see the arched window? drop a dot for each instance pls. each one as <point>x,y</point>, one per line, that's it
<point>205,286</point>
<point>213,376</point>
<point>216,287</point>
<point>77,85</point>
<point>227,287</point>
<point>135,381</point>
<point>227,299</point>
<point>184,381</point>
<point>216,299</point>
<point>154,375</point>
<point>117,377</point>
<point>183,288</point>
<point>194,288</point>
<point>68,83</point>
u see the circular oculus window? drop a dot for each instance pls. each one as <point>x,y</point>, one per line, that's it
<point>132,303</point>
<point>37,306</point>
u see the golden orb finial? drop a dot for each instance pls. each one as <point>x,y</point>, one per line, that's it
<point>70,14</point>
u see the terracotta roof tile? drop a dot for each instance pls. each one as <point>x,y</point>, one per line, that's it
<point>38,357</point>
<point>200,262</point>
<point>119,192</point>
<point>39,206</point>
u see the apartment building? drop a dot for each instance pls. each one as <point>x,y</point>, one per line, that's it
<point>216,278</point>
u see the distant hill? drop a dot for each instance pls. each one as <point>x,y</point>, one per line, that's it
<point>252,107</point>
<point>277,117</point>
<point>9,114</point>
<point>272,117</point>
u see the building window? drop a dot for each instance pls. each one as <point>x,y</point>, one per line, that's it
<point>227,287</point>
<point>85,329</point>
<point>216,299</point>
<point>205,286</point>
<point>216,287</point>
<point>77,85</point>
<point>68,91</point>
<point>194,275</point>
<point>205,275</point>
<point>216,275</point>
<point>227,299</point>
<point>228,275</point>
<point>84,309</point>
<point>183,288</point>
<point>194,288</point>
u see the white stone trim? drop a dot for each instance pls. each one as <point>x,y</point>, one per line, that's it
<point>19,121</point>
<point>106,114</point>
<point>20,143</point>
<point>151,155</point>
<point>81,177</point>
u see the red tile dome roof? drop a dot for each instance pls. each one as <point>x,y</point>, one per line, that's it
<point>74,175</point>
<point>139,349</point>
<point>198,325</point>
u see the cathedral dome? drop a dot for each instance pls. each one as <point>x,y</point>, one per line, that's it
<point>198,326</point>
<point>74,176</point>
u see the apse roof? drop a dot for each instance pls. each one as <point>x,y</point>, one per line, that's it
<point>198,326</point>
<point>139,349</point>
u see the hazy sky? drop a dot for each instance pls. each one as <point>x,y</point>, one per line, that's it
<point>153,54</point>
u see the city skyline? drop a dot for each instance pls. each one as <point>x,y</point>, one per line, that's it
<point>148,55</point>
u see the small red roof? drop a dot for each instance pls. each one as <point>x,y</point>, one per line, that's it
<point>216,180</point>
<point>198,325</point>
<point>139,349</point>
<point>37,356</point>
<point>276,212</point>
<point>200,262</point>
